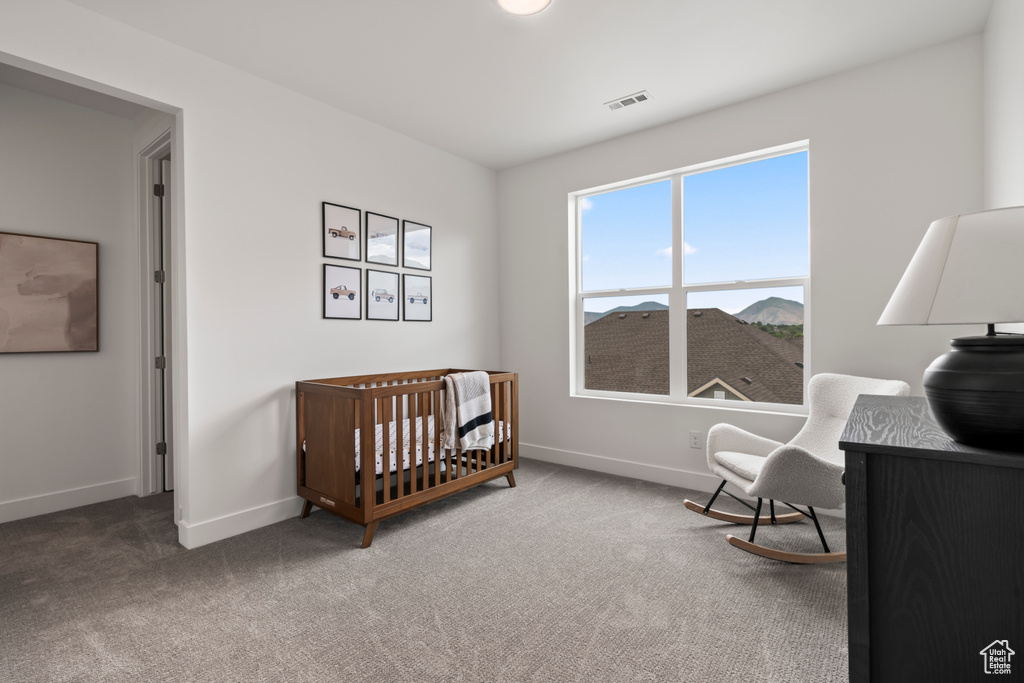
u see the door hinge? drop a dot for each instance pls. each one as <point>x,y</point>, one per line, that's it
<point>161,448</point>
<point>160,277</point>
<point>161,362</point>
<point>158,190</point>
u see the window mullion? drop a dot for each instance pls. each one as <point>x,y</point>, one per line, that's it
<point>677,299</point>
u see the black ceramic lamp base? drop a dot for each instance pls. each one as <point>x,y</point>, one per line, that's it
<point>976,391</point>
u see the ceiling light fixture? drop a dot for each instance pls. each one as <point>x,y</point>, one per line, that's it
<point>523,7</point>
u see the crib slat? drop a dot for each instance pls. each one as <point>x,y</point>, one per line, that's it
<point>492,454</point>
<point>425,436</point>
<point>435,397</point>
<point>383,412</point>
<point>503,451</point>
<point>424,441</point>
<point>399,445</point>
<point>411,400</point>
<point>499,442</point>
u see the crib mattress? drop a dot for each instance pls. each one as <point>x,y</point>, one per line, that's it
<point>501,432</point>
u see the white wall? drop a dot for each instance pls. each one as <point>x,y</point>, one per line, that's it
<point>1004,105</point>
<point>892,147</point>
<point>67,420</point>
<point>254,162</point>
<point>1004,110</point>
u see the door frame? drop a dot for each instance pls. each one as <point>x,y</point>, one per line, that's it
<point>150,477</point>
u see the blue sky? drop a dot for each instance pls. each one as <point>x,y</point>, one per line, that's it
<point>742,222</point>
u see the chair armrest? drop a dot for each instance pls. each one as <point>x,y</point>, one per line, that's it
<point>725,437</point>
<point>794,475</point>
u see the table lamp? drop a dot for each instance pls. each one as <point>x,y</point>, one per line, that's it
<point>969,269</point>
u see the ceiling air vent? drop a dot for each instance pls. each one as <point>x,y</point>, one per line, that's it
<point>620,102</point>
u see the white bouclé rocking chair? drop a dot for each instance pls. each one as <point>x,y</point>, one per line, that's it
<point>806,471</point>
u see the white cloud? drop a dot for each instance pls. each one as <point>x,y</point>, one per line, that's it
<point>586,204</point>
<point>687,249</point>
<point>586,257</point>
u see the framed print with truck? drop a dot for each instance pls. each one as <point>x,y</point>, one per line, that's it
<point>341,231</point>
<point>342,292</point>
<point>381,295</point>
<point>417,299</point>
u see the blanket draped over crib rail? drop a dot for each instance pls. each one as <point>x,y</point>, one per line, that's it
<point>412,466</point>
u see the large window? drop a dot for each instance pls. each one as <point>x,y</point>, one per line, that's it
<point>691,286</point>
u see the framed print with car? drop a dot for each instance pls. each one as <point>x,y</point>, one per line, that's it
<point>49,294</point>
<point>381,295</point>
<point>415,245</point>
<point>417,299</point>
<point>381,239</point>
<point>342,237</point>
<point>342,292</point>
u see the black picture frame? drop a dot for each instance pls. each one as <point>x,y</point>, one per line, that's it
<point>378,229</point>
<point>415,254</point>
<point>414,298</point>
<point>340,240</point>
<point>380,306</point>
<point>338,295</point>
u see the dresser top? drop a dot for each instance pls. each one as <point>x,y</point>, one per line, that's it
<point>904,425</point>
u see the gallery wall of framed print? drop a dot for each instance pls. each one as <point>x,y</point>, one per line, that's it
<point>381,239</point>
<point>49,294</point>
<point>381,295</point>
<point>343,296</point>
<point>342,235</point>
<point>417,299</point>
<point>415,245</point>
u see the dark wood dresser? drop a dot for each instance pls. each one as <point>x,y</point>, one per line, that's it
<point>935,542</point>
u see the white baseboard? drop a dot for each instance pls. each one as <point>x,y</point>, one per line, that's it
<point>699,481</point>
<point>65,500</point>
<point>200,533</point>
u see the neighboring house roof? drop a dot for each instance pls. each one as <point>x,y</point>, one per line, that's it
<point>764,368</point>
<point>629,352</point>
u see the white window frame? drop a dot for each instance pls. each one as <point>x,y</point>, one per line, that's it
<point>676,292</point>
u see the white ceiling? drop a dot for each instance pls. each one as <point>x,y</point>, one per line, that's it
<point>500,90</point>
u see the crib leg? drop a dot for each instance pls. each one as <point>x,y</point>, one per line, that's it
<point>307,507</point>
<point>368,535</point>
<point>511,480</point>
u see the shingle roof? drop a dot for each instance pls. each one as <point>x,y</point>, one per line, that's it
<point>631,353</point>
<point>752,361</point>
<point>628,352</point>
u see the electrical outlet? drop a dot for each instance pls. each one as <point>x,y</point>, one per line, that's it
<point>696,440</point>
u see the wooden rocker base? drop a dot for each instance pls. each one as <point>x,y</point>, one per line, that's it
<point>784,556</point>
<point>787,518</point>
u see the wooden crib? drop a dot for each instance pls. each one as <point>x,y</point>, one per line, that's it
<point>408,468</point>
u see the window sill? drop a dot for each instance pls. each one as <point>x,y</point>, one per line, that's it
<point>708,404</point>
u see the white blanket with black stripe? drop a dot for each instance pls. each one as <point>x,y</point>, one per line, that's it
<point>467,416</point>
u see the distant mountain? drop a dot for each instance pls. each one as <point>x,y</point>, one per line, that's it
<point>591,316</point>
<point>773,311</point>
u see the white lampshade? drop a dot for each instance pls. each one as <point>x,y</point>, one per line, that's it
<point>968,269</point>
<point>523,7</point>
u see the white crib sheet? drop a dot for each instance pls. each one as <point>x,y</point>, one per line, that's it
<point>501,433</point>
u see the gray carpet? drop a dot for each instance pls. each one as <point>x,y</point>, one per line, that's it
<point>571,576</point>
